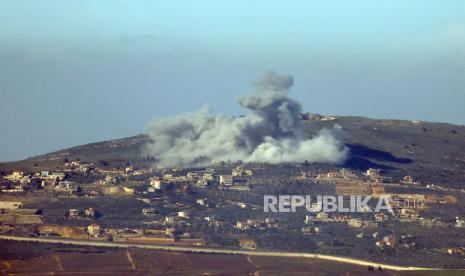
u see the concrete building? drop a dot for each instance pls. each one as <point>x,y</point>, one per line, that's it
<point>372,172</point>
<point>201,201</point>
<point>183,214</point>
<point>73,213</point>
<point>66,185</point>
<point>90,212</point>
<point>247,244</point>
<point>15,176</point>
<point>241,172</point>
<point>94,229</point>
<point>226,180</point>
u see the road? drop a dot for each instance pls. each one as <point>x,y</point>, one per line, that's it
<point>212,250</point>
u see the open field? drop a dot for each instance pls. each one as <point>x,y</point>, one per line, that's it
<point>73,257</point>
<point>108,261</point>
<point>79,260</point>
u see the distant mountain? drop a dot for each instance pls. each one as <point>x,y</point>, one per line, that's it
<point>431,152</point>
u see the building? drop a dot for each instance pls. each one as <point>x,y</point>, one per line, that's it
<point>128,190</point>
<point>11,205</point>
<point>156,183</point>
<point>44,174</point>
<point>183,214</point>
<point>308,116</point>
<point>322,216</point>
<point>355,222</point>
<point>348,174</point>
<point>73,213</point>
<point>459,222</point>
<point>83,168</point>
<point>380,217</point>
<point>408,200</point>
<point>90,212</point>
<point>202,182</point>
<point>247,244</point>
<point>109,179</point>
<point>209,218</point>
<point>409,213</point>
<point>241,172</point>
<point>226,180</point>
<point>94,229</point>
<point>408,179</point>
<point>372,172</point>
<point>15,176</point>
<point>389,240</point>
<point>149,211</point>
<point>57,175</point>
<point>241,225</point>
<point>332,175</point>
<point>65,185</point>
<point>306,230</point>
<point>249,223</point>
<point>168,176</point>
<point>202,201</point>
<point>171,219</point>
<point>25,180</point>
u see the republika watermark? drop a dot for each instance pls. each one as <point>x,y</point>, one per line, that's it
<point>325,203</point>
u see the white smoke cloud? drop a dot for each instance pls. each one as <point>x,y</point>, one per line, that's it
<point>272,132</point>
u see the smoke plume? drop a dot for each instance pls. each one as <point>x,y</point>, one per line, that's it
<point>271,132</point>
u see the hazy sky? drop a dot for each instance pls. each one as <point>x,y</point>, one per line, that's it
<point>74,72</point>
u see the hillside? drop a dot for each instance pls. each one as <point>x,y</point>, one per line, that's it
<point>431,152</point>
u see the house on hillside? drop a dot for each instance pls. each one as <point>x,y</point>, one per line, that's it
<point>94,230</point>
<point>247,244</point>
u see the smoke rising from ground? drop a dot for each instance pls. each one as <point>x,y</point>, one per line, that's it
<point>272,132</point>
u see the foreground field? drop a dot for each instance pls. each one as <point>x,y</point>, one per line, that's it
<point>142,262</point>
<point>25,258</point>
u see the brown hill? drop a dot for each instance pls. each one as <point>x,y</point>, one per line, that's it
<point>432,152</point>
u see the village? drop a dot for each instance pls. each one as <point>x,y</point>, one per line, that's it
<point>222,206</point>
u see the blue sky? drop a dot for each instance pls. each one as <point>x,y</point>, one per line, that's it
<point>73,72</point>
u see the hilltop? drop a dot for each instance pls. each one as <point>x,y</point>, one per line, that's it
<point>431,152</point>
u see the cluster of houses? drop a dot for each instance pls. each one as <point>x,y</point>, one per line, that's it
<point>351,222</point>
<point>406,207</point>
<point>44,179</point>
<point>88,213</point>
<point>205,178</point>
<point>262,224</point>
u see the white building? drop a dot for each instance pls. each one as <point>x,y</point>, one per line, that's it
<point>459,222</point>
<point>226,180</point>
<point>156,183</point>
<point>183,214</point>
<point>372,172</point>
<point>15,176</point>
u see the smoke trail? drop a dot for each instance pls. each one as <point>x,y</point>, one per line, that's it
<point>272,132</point>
